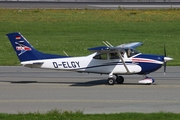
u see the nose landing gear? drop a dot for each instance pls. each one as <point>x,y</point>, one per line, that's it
<point>147,80</point>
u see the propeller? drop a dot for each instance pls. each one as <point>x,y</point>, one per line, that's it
<point>164,59</point>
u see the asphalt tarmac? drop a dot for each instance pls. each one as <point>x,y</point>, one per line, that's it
<point>87,5</point>
<point>36,90</point>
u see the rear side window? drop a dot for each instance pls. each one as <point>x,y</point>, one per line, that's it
<point>102,56</point>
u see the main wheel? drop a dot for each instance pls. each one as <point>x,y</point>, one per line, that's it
<point>110,81</point>
<point>119,79</point>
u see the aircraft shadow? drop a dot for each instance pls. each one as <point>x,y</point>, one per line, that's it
<point>88,83</point>
<point>20,82</point>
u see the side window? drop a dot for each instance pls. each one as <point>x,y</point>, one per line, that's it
<point>102,56</point>
<point>113,55</point>
<point>129,52</point>
<point>122,53</point>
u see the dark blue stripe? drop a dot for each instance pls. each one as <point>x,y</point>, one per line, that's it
<point>107,64</point>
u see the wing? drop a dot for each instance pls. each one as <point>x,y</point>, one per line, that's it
<point>116,48</point>
<point>99,49</point>
<point>130,45</point>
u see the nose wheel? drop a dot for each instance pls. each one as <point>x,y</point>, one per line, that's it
<point>147,80</point>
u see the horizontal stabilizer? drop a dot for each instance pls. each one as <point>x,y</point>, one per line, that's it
<point>32,64</point>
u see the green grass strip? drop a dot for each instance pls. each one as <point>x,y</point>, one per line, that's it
<point>57,115</point>
<point>53,31</point>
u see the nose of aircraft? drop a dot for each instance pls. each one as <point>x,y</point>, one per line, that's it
<point>167,59</point>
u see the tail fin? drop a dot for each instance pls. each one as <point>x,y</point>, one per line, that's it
<point>25,51</point>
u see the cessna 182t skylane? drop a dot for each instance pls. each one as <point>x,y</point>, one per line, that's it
<point>114,61</point>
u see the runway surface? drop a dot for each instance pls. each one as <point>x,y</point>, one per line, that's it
<point>31,90</point>
<point>88,5</point>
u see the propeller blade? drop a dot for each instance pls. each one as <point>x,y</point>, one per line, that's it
<point>164,68</point>
<point>164,50</point>
<point>164,60</point>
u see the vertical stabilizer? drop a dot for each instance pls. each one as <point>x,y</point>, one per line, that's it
<point>25,51</point>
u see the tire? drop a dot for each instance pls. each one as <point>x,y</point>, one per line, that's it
<point>110,81</point>
<point>119,79</point>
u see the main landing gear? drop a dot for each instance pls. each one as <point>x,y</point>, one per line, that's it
<point>119,80</point>
<point>111,80</point>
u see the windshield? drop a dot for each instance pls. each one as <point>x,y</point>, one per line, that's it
<point>131,52</point>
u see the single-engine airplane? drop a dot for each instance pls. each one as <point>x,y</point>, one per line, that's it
<point>112,60</point>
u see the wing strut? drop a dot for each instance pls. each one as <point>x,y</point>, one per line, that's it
<point>124,62</point>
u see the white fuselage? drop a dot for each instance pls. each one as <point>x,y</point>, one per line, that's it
<point>86,64</point>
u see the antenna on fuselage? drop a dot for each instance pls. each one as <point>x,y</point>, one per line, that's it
<point>65,53</point>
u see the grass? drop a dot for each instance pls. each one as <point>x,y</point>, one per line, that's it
<point>53,31</point>
<point>57,115</point>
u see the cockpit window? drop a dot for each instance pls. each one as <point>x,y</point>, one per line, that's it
<point>102,56</point>
<point>131,52</point>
